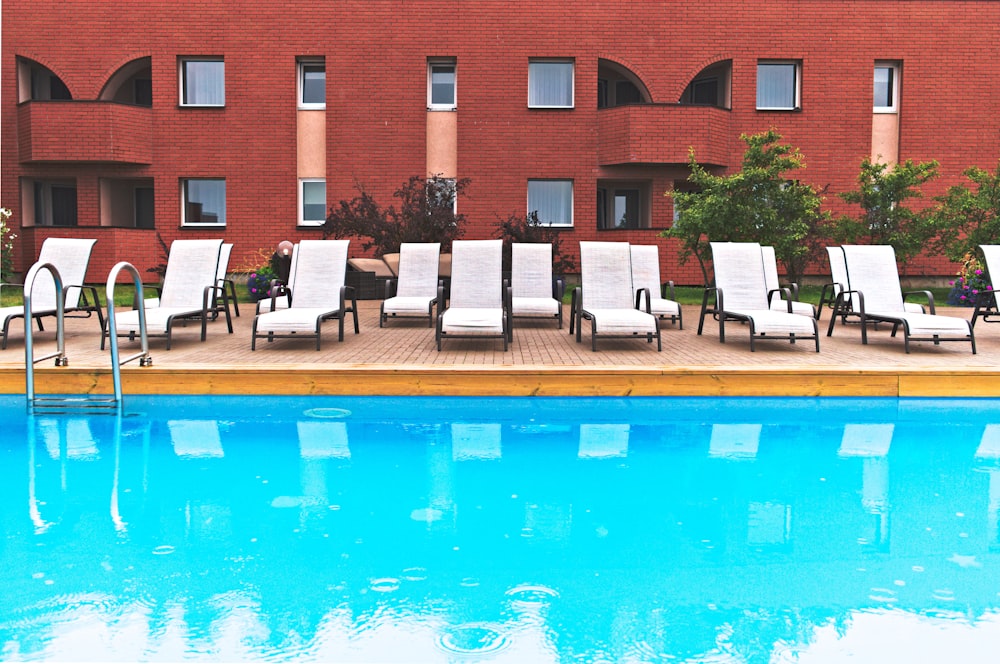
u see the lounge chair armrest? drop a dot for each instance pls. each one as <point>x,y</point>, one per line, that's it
<point>926,293</point>
<point>508,299</point>
<point>667,290</point>
<point>84,290</point>
<point>786,295</point>
<point>794,288</point>
<point>440,299</point>
<point>559,289</point>
<point>638,300</point>
<point>576,304</point>
<point>719,305</point>
<point>347,292</point>
<point>390,287</point>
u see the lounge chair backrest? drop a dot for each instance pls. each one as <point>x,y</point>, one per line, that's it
<point>739,272</point>
<point>872,270</point>
<point>606,275</point>
<point>70,257</point>
<point>477,274</point>
<point>531,269</point>
<point>418,269</point>
<point>991,252</point>
<point>191,267</point>
<point>770,263</point>
<point>646,268</point>
<point>224,254</point>
<point>838,269</point>
<point>320,271</point>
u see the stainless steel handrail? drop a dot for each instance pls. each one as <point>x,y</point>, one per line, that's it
<point>29,352</point>
<point>143,356</point>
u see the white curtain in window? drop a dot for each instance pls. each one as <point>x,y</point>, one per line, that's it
<point>776,85</point>
<point>552,200</point>
<point>550,84</point>
<point>204,83</point>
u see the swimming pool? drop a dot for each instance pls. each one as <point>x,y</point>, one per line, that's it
<point>502,530</point>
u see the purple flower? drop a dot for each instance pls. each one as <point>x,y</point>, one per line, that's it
<point>978,272</point>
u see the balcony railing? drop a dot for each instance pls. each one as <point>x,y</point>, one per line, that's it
<point>663,134</point>
<point>84,131</point>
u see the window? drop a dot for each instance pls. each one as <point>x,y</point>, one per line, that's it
<point>203,82</point>
<point>552,200</point>
<point>886,88</point>
<point>622,205</point>
<point>550,84</point>
<point>441,85</point>
<point>204,202</point>
<point>312,202</point>
<point>778,86</point>
<point>55,203</point>
<point>312,83</point>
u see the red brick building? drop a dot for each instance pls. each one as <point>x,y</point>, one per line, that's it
<point>121,120</point>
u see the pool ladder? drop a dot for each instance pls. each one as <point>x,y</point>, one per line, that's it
<point>96,403</point>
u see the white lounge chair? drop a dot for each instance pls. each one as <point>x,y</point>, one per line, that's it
<point>646,274</point>
<point>774,287</point>
<point>839,283</point>
<point>986,303</point>
<point>479,306</point>
<point>741,294</point>
<point>226,294</point>
<point>876,297</point>
<point>415,292</point>
<point>607,299</point>
<point>319,294</point>
<point>70,257</point>
<point>533,293</point>
<point>190,290</point>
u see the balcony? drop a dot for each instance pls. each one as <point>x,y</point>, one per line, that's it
<point>662,134</point>
<point>84,131</point>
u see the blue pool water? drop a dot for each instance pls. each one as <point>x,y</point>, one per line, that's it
<point>502,530</point>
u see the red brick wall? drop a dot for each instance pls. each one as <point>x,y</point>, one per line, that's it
<point>376,53</point>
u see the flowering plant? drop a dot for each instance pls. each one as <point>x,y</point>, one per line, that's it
<point>259,272</point>
<point>6,243</point>
<point>969,283</point>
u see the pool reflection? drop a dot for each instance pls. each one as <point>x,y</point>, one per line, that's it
<point>531,530</point>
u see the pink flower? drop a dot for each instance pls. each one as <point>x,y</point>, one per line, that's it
<point>975,292</point>
<point>951,283</point>
<point>961,297</point>
<point>979,272</point>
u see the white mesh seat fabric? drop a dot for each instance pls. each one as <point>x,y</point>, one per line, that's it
<point>646,274</point>
<point>417,284</point>
<point>70,257</point>
<point>189,290</point>
<point>778,303</point>
<point>872,273</point>
<point>741,295</point>
<point>531,281</point>
<point>319,295</point>
<point>841,282</point>
<point>606,297</point>
<point>477,307</point>
<point>986,304</point>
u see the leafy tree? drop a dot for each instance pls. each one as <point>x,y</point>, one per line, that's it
<point>759,203</point>
<point>529,229</point>
<point>426,213</point>
<point>883,192</point>
<point>966,218</point>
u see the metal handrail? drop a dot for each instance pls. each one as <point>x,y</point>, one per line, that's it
<point>143,356</point>
<point>29,352</point>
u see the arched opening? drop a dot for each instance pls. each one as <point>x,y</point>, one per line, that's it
<point>711,87</point>
<point>618,86</point>
<point>131,84</point>
<point>37,82</point>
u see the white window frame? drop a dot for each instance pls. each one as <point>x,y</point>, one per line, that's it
<point>441,62</point>
<point>542,221</point>
<point>182,80</point>
<point>302,200</point>
<point>572,81</point>
<point>894,69</point>
<point>796,85</point>
<point>300,72</point>
<point>184,204</point>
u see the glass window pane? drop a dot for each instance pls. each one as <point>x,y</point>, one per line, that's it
<point>883,87</point>
<point>552,200</point>
<point>204,83</point>
<point>550,84</point>
<point>443,85</point>
<point>776,85</point>
<point>314,201</point>
<point>314,84</point>
<point>205,202</point>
